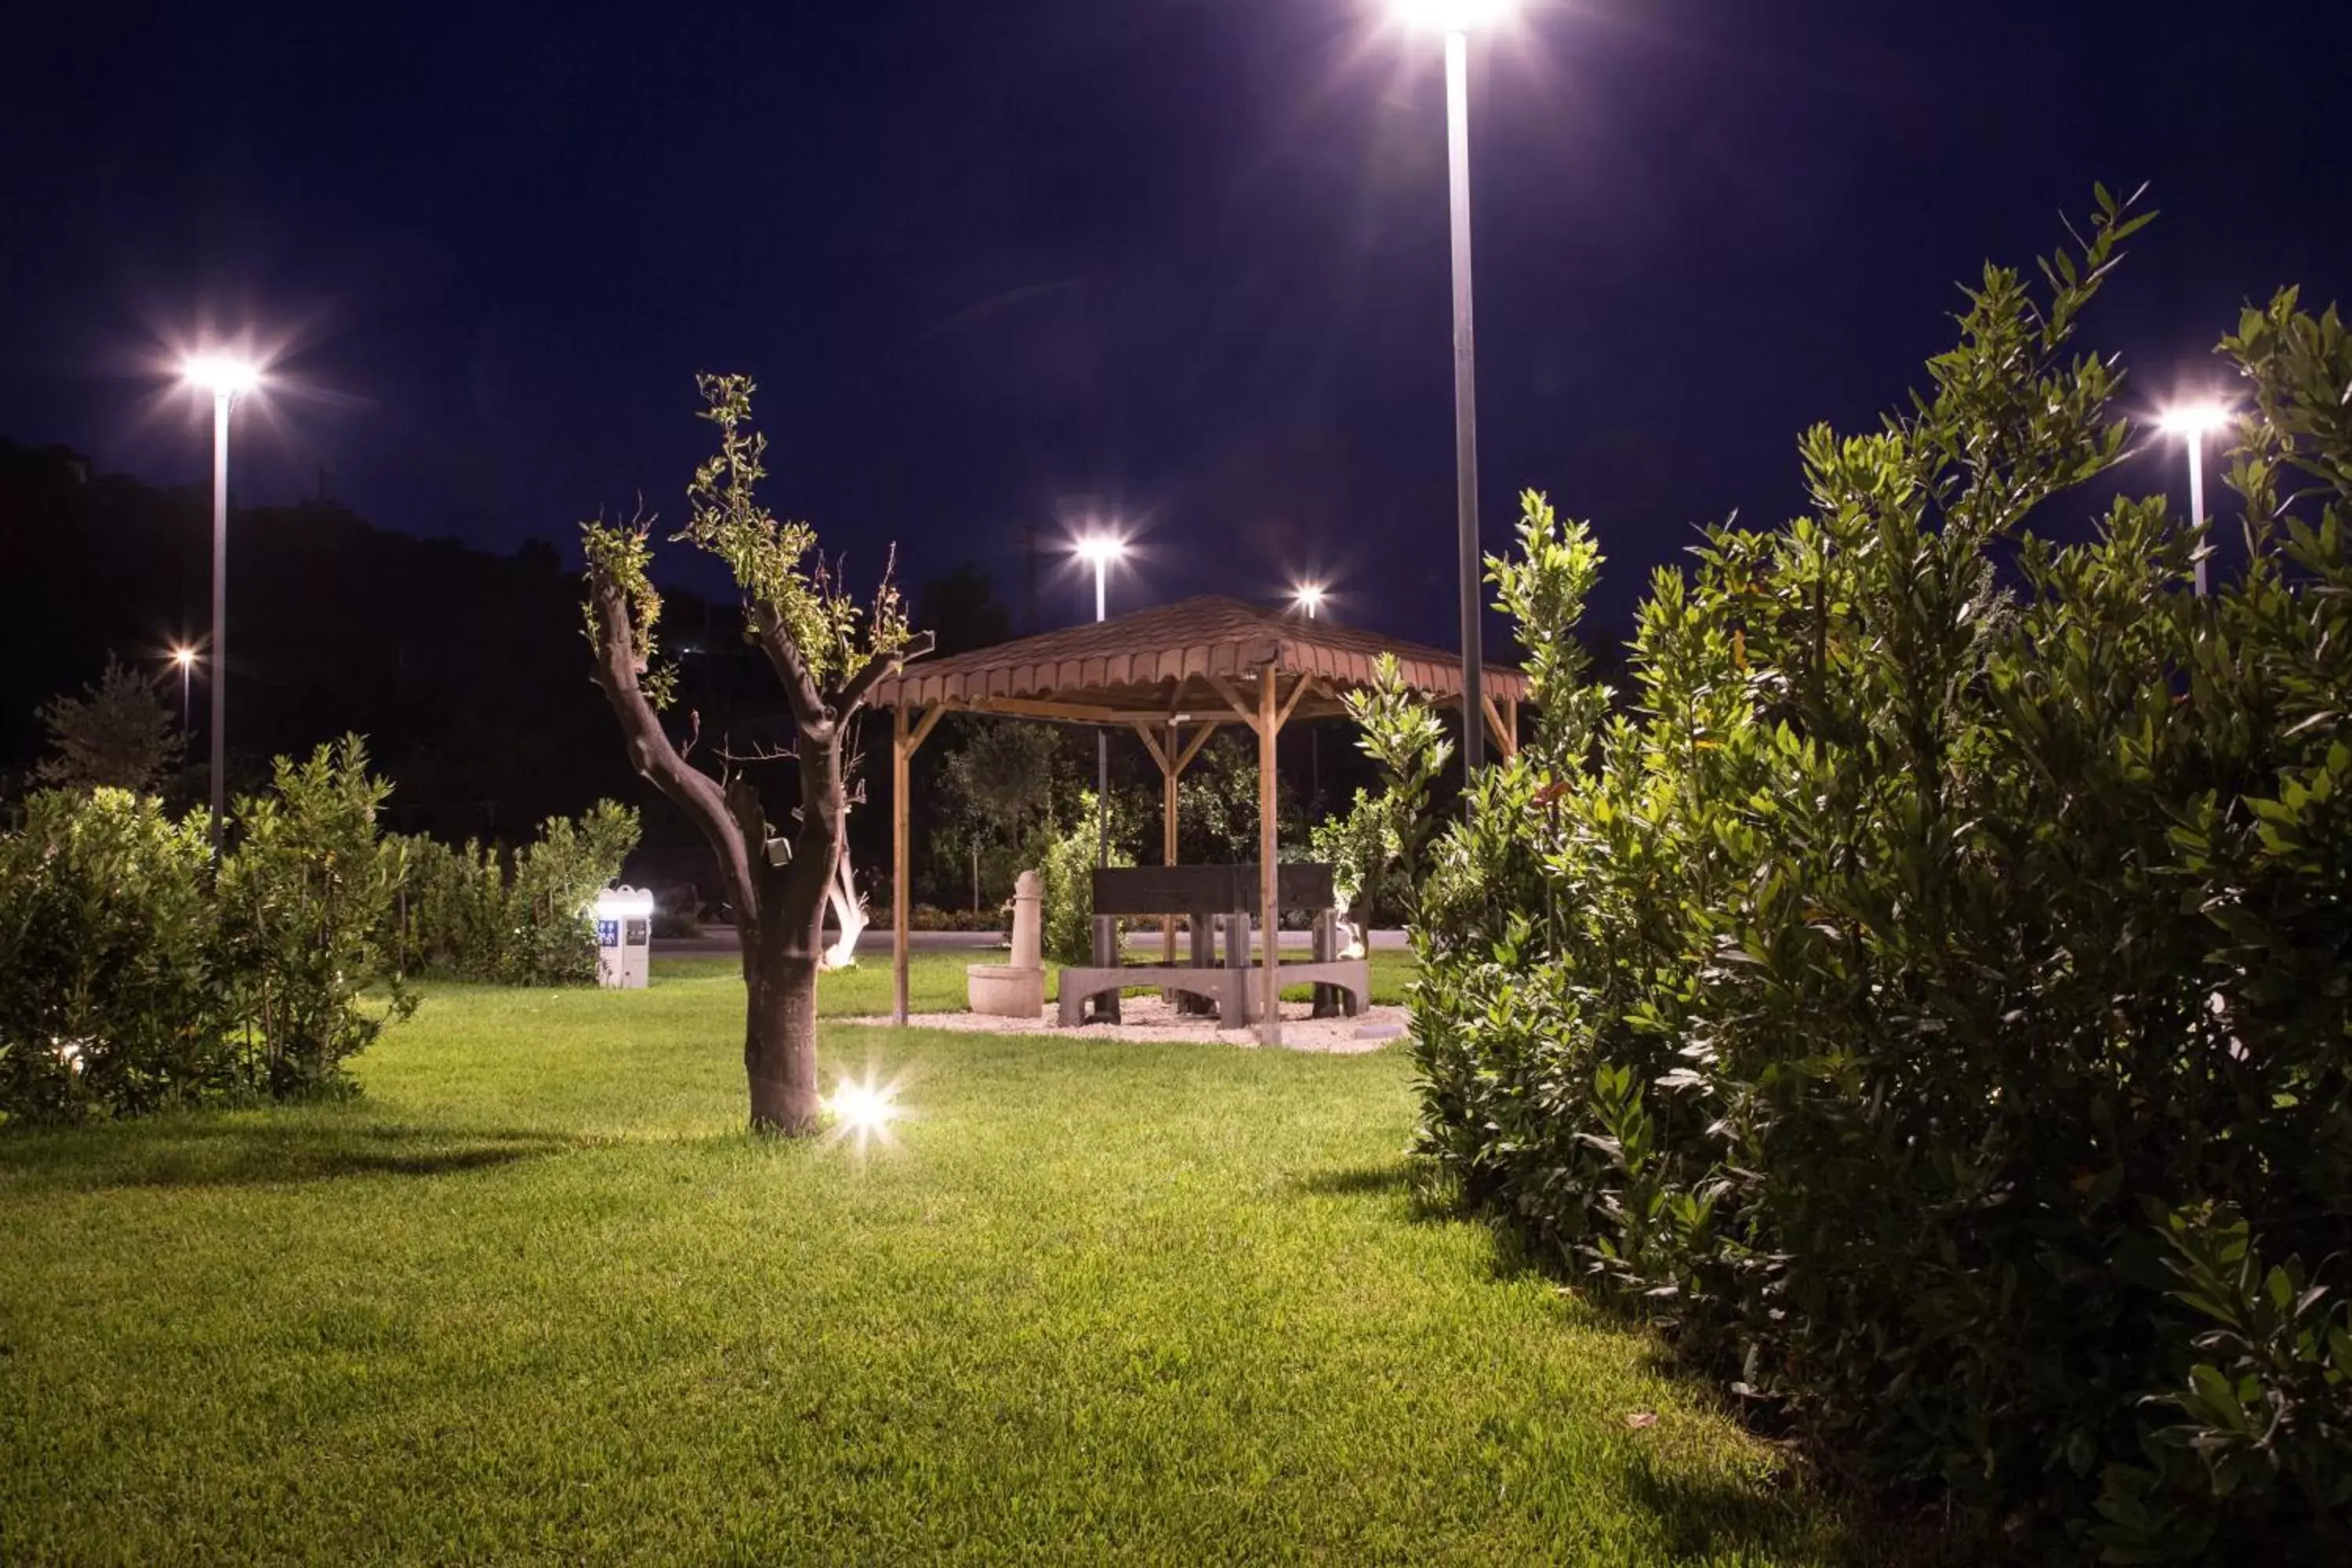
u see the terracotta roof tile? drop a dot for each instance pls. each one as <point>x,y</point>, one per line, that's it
<point>1142,662</point>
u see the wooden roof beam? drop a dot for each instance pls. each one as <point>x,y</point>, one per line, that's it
<point>1151,744</point>
<point>1297,692</point>
<point>1225,689</point>
<point>1192,749</point>
<point>1506,740</point>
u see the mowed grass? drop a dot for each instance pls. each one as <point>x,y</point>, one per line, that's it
<point>537,1298</point>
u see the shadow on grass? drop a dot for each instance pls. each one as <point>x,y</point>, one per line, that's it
<point>1713,1517</point>
<point>1358,1181</point>
<point>1716,1516</point>
<point>249,1150</point>
<point>1429,1197</point>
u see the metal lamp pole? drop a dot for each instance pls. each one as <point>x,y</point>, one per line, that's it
<point>1466,390</point>
<point>2196,496</point>
<point>224,396</point>
<point>1099,550</point>
<point>224,378</point>
<point>2191,422</point>
<point>1102,741</point>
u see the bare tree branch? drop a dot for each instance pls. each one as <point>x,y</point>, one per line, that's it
<point>760,754</point>
<point>615,671</point>
<point>799,687</point>
<point>854,691</point>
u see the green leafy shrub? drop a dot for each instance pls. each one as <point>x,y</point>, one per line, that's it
<point>1359,845</point>
<point>1066,895</point>
<point>2266,1409</point>
<point>449,913</point>
<point>1846,1005</point>
<point>133,976</point>
<point>523,920</point>
<point>1217,808</point>
<point>107,997</point>
<point>1375,846</point>
<point>303,905</point>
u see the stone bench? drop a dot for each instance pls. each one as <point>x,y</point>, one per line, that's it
<point>1214,899</point>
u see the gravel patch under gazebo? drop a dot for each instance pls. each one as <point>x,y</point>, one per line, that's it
<point>1151,1018</point>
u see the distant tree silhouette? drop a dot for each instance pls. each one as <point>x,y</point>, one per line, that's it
<point>1000,780</point>
<point>458,665</point>
<point>119,734</point>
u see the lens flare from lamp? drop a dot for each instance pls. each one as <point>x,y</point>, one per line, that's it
<point>1100,549</point>
<point>2194,419</point>
<point>219,375</point>
<point>186,657</point>
<point>1308,597</point>
<point>1451,15</point>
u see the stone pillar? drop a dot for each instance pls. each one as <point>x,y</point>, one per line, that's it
<point>1028,933</point>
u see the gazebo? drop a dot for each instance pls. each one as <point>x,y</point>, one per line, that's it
<point>1174,674</point>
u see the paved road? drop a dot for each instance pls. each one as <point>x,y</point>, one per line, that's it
<point>718,942</point>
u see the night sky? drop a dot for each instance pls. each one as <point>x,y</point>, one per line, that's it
<point>1182,261</point>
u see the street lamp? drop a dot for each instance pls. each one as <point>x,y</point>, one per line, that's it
<point>1455,18</point>
<point>227,378</point>
<point>186,657</point>
<point>1308,598</point>
<point>1100,550</point>
<point>2193,421</point>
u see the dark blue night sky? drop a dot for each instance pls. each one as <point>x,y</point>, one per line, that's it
<point>1182,260</point>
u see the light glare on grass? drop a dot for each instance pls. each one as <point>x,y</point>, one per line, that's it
<point>863,1111</point>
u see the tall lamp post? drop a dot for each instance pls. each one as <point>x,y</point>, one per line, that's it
<point>2194,422</point>
<point>225,379</point>
<point>1455,18</point>
<point>1100,550</point>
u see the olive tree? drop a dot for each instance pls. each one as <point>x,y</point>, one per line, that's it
<point>828,651</point>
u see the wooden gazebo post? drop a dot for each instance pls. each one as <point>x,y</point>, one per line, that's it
<point>1169,769</point>
<point>1269,725</point>
<point>1172,763</point>
<point>903,743</point>
<point>899,855</point>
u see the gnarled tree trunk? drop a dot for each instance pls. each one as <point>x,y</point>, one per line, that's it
<point>795,610</point>
<point>779,1028</point>
<point>778,891</point>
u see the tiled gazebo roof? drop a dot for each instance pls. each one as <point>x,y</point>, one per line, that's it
<point>1151,664</point>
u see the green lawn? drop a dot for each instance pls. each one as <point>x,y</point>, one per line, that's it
<point>536,1298</point>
